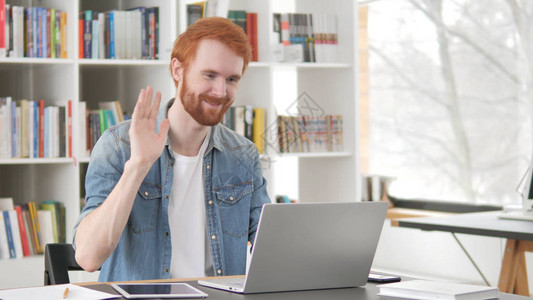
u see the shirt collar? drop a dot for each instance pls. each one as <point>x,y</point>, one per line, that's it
<point>215,140</point>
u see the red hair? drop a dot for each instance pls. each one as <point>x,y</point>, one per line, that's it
<point>213,28</point>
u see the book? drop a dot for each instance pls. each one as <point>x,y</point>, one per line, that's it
<point>9,234</point>
<point>46,221</point>
<point>239,119</point>
<point>23,231</point>
<point>4,247</point>
<point>259,129</point>
<point>29,230</point>
<point>36,228</point>
<point>15,232</point>
<point>6,204</point>
<point>54,211</point>
<point>82,128</point>
<point>425,289</point>
<point>195,11</point>
<point>3,50</point>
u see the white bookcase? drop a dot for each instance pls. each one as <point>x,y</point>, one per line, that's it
<point>267,84</point>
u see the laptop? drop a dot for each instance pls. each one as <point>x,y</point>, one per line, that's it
<point>310,246</point>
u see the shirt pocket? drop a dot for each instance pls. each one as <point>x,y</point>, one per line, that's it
<point>234,205</point>
<point>145,209</point>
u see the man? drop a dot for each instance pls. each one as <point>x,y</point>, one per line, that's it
<point>173,194</point>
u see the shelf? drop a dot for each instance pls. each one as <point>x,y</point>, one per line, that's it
<point>31,161</point>
<point>84,159</point>
<point>122,62</point>
<point>308,65</point>
<point>315,154</point>
<point>37,61</point>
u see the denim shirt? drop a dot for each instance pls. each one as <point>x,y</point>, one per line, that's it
<point>234,190</point>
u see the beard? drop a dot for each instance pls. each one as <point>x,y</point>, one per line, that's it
<point>201,113</point>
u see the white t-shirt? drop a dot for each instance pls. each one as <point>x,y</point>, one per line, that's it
<point>186,217</point>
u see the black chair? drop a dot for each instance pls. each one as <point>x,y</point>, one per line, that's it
<point>58,260</point>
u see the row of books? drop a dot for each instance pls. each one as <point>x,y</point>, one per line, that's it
<point>285,199</point>
<point>310,133</point>
<point>118,34</point>
<point>29,129</point>
<point>32,32</point>
<point>248,122</point>
<point>96,121</point>
<point>307,37</point>
<point>207,8</point>
<point>26,228</point>
<point>246,20</point>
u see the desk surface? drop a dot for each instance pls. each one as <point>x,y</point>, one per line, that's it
<point>368,292</point>
<point>484,223</point>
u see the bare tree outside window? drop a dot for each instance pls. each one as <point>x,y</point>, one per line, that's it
<point>451,93</point>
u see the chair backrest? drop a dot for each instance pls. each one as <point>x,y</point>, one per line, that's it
<point>58,260</point>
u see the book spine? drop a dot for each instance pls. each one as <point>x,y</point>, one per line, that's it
<point>102,121</point>
<point>3,50</point>
<point>36,226</point>
<point>258,129</point>
<point>52,35</point>
<point>31,132</point>
<point>101,36</point>
<point>69,128</point>
<point>81,31</point>
<point>29,32</point>
<point>112,35</point>
<point>62,134</point>
<point>95,39</point>
<point>13,129</point>
<point>57,33</point>
<point>64,29</point>
<point>41,128</point>
<point>35,19</point>
<point>30,234</point>
<point>151,30</point>
<point>87,37</point>
<point>9,234</point>
<point>156,41</point>
<point>48,30</point>
<point>4,246</point>
<point>23,235</point>
<point>15,231</point>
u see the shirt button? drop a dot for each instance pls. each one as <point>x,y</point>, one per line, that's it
<point>166,233</point>
<point>219,271</point>
<point>231,198</point>
<point>210,202</point>
<point>146,194</point>
<point>213,237</point>
<point>166,270</point>
<point>207,167</point>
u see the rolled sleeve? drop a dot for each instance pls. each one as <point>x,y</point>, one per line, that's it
<point>105,169</point>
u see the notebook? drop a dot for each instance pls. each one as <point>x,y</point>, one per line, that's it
<point>310,246</point>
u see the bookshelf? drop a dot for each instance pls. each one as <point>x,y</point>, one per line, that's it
<point>332,85</point>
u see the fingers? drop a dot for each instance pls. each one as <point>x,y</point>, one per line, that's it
<point>144,108</point>
<point>163,129</point>
<point>154,110</point>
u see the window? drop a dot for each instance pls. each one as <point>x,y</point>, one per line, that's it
<point>450,95</point>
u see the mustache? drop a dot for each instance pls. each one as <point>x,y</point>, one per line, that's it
<point>214,100</point>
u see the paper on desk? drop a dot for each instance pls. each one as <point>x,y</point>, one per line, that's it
<point>55,292</point>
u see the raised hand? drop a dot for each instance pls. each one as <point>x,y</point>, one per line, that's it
<point>146,144</point>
